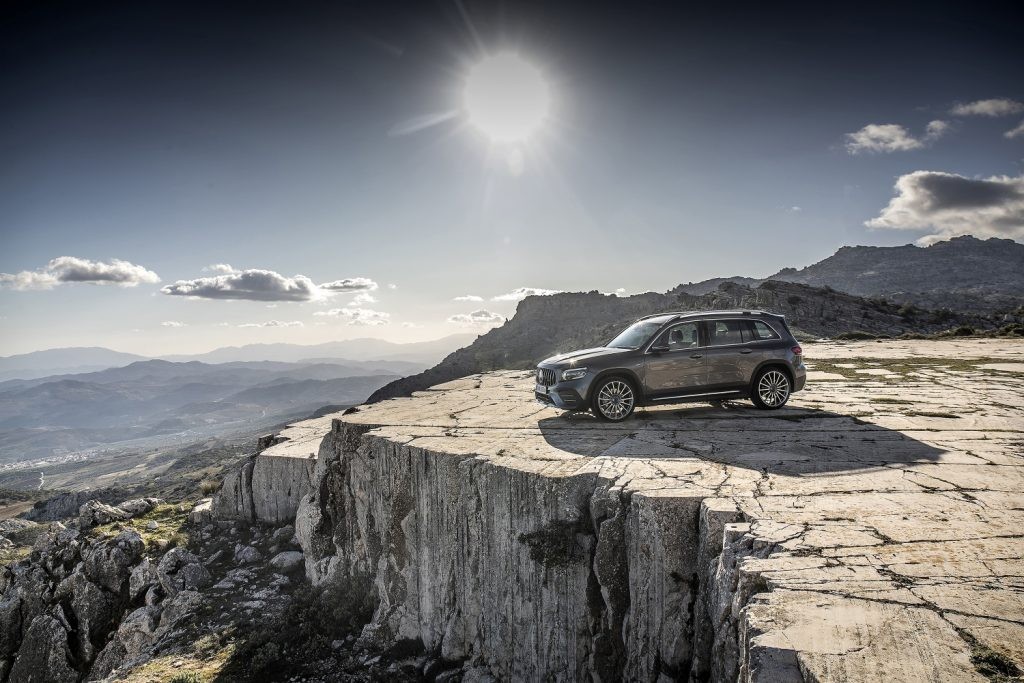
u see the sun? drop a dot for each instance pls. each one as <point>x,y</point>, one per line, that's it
<point>506,98</point>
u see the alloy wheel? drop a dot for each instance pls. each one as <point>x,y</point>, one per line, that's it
<point>773,388</point>
<point>615,399</point>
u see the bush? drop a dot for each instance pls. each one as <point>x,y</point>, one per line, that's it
<point>1011,330</point>
<point>964,331</point>
<point>209,486</point>
<point>190,677</point>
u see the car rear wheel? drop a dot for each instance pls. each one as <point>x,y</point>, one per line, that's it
<point>771,389</point>
<point>614,399</point>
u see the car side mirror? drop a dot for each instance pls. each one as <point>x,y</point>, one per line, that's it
<point>659,348</point>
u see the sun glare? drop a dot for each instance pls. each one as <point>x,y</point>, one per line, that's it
<point>506,98</point>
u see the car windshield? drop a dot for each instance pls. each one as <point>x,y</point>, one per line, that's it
<point>634,336</point>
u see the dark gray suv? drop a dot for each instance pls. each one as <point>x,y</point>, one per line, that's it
<point>676,358</point>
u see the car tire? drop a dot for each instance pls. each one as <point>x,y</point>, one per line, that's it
<point>614,399</point>
<point>771,388</point>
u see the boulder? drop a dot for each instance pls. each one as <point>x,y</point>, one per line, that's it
<point>179,570</point>
<point>283,535</point>
<point>109,562</point>
<point>44,655</point>
<point>132,642</point>
<point>139,506</point>
<point>246,554</point>
<point>95,513</point>
<point>288,561</point>
<point>202,512</point>
<point>142,577</point>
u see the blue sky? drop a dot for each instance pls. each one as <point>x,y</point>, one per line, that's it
<point>679,146</point>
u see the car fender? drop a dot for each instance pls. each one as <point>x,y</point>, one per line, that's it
<point>625,372</point>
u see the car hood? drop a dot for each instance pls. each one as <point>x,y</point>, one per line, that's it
<point>579,357</point>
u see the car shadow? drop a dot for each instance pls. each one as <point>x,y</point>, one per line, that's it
<point>789,441</point>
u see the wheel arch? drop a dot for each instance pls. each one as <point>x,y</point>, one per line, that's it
<point>625,373</point>
<point>776,363</point>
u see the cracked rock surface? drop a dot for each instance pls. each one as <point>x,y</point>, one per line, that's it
<point>871,530</point>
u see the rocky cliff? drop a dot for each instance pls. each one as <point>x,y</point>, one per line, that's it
<point>702,544</point>
<point>545,326</point>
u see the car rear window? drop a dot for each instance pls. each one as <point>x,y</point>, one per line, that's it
<point>761,331</point>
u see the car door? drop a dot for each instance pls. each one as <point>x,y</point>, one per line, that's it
<point>730,353</point>
<point>679,366</point>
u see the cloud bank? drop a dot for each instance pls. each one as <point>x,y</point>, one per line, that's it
<point>257,284</point>
<point>350,284</point>
<point>951,205</point>
<point>997,106</point>
<point>877,138</point>
<point>468,297</point>
<point>480,317</point>
<point>71,269</point>
<point>252,285</point>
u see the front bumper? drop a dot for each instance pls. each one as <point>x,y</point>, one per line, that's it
<point>567,395</point>
<point>559,397</point>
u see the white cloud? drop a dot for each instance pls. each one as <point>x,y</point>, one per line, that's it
<point>794,209</point>
<point>358,316</point>
<point>468,297</point>
<point>392,285</point>
<point>1015,132</point>
<point>480,317</point>
<point>256,284</point>
<point>251,285</point>
<point>520,293</point>
<point>70,269</point>
<point>997,106</point>
<point>350,284</point>
<point>219,268</point>
<point>951,205</point>
<point>275,323</point>
<point>891,137</point>
<point>414,326</point>
<point>172,323</point>
<point>363,298</point>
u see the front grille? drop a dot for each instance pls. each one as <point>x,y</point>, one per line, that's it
<point>545,377</point>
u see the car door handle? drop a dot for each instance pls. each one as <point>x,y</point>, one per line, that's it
<point>696,355</point>
<point>746,350</point>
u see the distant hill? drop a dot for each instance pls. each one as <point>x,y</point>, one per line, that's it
<point>548,325</point>
<point>427,352</point>
<point>62,361</point>
<point>963,274</point>
<point>157,402</point>
<point>71,361</point>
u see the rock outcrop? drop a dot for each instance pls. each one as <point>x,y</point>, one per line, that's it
<point>544,326</point>
<point>864,533</point>
<point>268,486</point>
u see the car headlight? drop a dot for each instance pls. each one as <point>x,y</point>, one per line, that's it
<point>573,373</point>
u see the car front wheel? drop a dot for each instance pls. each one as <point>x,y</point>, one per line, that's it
<point>614,399</point>
<point>771,389</point>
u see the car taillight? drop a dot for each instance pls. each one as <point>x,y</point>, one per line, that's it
<point>797,350</point>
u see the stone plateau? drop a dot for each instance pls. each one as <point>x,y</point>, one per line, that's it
<point>869,531</point>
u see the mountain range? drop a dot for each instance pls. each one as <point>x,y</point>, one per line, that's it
<point>549,325</point>
<point>88,359</point>
<point>157,403</point>
<point>961,274</point>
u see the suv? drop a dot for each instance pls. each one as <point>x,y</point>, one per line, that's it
<point>676,358</point>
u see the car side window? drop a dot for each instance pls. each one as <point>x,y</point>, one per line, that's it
<point>725,332</point>
<point>761,331</point>
<point>680,337</point>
